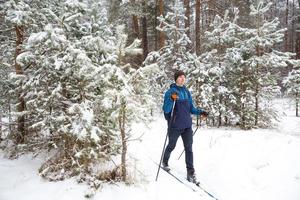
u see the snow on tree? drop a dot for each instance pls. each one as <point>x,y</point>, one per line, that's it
<point>175,53</point>
<point>210,70</point>
<point>292,83</point>
<point>81,96</point>
<point>254,63</point>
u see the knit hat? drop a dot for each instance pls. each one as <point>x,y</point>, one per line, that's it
<point>177,74</point>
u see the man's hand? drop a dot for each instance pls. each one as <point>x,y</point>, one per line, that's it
<point>174,96</point>
<point>204,115</point>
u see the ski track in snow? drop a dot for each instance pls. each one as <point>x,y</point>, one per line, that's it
<point>231,164</point>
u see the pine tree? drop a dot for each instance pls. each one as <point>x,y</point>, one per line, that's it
<point>78,87</point>
<point>175,54</point>
<point>254,61</point>
<point>211,70</point>
<point>292,83</point>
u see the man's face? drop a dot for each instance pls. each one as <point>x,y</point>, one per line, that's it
<point>180,80</point>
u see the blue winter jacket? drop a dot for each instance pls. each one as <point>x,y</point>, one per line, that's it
<point>183,107</point>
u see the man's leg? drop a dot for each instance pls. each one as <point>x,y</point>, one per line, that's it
<point>187,138</point>
<point>173,137</point>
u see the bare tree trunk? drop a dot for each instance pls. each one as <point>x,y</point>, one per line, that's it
<point>259,53</point>
<point>64,94</point>
<point>256,104</point>
<point>21,102</point>
<point>122,118</point>
<point>213,118</point>
<point>297,47</point>
<point>9,116</point>
<point>197,27</point>
<point>220,113</point>
<point>198,88</point>
<point>135,24</point>
<point>155,25</point>
<point>243,91</point>
<point>0,126</point>
<point>292,43</point>
<point>145,35</point>
<point>286,34</point>
<point>161,34</point>
<point>297,104</point>
<point>256,93</point>
<point>210,14</point>
<point>220,95</point>
<point>176,33</point>
<point>114,10</point>
<point>187,15</point>
<point>226,121</point>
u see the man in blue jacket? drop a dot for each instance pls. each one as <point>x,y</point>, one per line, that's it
<point>181,122</point>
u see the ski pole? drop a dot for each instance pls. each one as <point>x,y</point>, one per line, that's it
<point>197,126</point>
<point>162,154</point>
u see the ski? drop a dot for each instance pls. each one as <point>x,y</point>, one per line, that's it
<point>192,186</point>
<point>204,190</point>
<point>180,180</point>
<point>201,188</point>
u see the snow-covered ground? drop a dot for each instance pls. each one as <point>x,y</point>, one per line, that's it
<point>261,164</point>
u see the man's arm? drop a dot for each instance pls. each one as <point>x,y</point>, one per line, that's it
<point>168,102</point>
<point>194,110</point>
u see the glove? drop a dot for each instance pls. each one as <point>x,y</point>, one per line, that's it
<point>204,113</point>
<point>174,96</point>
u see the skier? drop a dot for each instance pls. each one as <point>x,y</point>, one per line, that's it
<point>181,124</point>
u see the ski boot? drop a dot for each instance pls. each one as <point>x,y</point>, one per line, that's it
<point>191,177</point>
<point>165,166</point>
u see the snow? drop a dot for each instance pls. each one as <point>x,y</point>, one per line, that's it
<point>20,180</point>
<point>37,38</point>
<point>260,164</point>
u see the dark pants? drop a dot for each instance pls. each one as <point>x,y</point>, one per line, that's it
<point>187,138</point>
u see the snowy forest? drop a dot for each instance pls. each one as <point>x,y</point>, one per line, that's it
<point>83,83</point>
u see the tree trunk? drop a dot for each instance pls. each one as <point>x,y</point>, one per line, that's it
<point>122,115</point>
<point>286,34</point>
<point>297,104</point>
<point>226,120</point>
<point>243,92</point>
<point>145,35</point>
<point>176,38</point>
<point>292,41</point>
<point>197,26</point>
<point>256,94</point>
<point>9,116</point>
<point>220,65</point>
<point>259,53</point>
<point>297,47</point>
<point>65,95</point>
<point>256,105</point>
<point>21,102</point>
<point>220,113</point>
<point>161,34</point>
<point>135,23</point>
<point>0,126</point>
<point>155,25</point>
<point>187,15</point>
<point>244,19</point>
<point>114,10</point>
